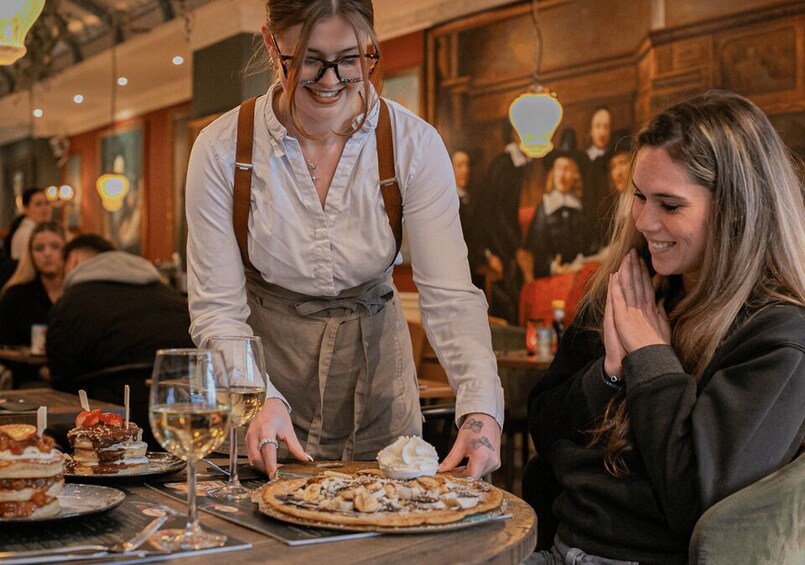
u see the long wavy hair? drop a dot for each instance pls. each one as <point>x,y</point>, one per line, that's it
<point>26,270</point>
<point>755,253</point>
<point>284,14</point>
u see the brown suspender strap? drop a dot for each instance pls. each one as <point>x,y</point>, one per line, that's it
<point>241,203</point>
<point>392,199</point>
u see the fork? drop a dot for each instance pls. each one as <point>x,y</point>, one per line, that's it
<point>86,551</point>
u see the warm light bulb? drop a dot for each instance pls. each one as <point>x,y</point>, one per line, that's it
<point>66,192</point>
<point>178,60</point>
<point>38,113</point>
<point>16,19</point>
<point>78,99</point>
<point>535,116</point>
<point>52,193</point>
<point>122,81</point>
<point>113,189</point>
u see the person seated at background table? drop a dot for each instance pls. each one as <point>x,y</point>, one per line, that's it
<point>115,311</point>
<point>670,393</point>
<point>30,293</point>
<point>36,209</point>
<point>322,247</point>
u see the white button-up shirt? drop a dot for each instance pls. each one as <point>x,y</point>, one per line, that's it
<point>297,245</point>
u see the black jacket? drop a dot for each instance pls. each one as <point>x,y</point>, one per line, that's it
<point>102,321</point>
<point>22,306</point>
<point>695,443</point>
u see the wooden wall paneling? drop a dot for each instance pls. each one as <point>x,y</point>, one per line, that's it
<point>765,63</point>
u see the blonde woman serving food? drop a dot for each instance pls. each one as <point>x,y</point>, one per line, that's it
<point>318,231</point>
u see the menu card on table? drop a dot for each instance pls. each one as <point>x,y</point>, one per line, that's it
<point>245,513</point>
<point>108,528</point>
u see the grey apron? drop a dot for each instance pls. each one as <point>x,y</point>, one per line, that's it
<point>344,364</point>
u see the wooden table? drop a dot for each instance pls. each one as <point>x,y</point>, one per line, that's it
<point>22,355</point>
<point>506,541</point>
<point>63,407</point>
<point>520,359</point>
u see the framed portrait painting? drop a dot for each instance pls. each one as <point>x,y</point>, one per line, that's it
<point>121,152</point>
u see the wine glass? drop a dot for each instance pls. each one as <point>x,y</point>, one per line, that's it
<point>245,364</point>
<point>189,416</point>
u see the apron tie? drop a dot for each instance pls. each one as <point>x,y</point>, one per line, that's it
<point>371,302</point>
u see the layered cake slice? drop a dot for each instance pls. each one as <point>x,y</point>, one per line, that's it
<point>103,445</point>
<point>31,473</point>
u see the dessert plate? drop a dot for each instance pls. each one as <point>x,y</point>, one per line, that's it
<point>159,464</point>
<point>79,500</point>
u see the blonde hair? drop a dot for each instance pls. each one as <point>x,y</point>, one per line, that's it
<point>26,270</point>
<point>755,253</point>
<point>284,14</point>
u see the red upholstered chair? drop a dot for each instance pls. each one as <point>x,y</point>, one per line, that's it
<point>536,296</point>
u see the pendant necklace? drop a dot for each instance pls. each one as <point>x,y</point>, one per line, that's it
<point>311,168</point>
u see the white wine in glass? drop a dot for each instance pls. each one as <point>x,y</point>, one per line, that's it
<point>245,365</point>
<point>189,413</point>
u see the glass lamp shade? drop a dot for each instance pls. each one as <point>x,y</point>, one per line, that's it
<point>16,19</point>
<point>113,188</point>
<point>535,117</point>
<point>52,193</point>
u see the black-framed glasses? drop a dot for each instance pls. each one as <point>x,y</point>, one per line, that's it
<point>347,69</point>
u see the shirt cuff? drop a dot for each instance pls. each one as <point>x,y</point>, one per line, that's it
<point>484,399</point>
<point>273,392</point>
<point>649,362</point>
<point>596,391</point>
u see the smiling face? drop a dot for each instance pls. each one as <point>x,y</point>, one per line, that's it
<point>672,213</point>
<point>327,103</point>
<point>46,252</point>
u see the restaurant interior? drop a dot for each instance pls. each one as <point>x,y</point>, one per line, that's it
<point>122,88</point>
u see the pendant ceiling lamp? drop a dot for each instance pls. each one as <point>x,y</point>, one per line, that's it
<point>16,19</point>
<point>536,114</point>
<point>113,185</point>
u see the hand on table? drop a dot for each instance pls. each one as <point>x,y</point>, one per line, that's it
<point>638,320</point>
<point>478,440</point>
<point>272,422</point>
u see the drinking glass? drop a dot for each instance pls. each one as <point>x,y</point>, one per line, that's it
<point>245,364</point>
<point>189,412</point>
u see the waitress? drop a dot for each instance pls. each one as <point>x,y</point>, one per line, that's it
<point>312,275</point>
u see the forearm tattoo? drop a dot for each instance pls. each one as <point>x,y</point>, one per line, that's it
<point>480,442</point>
<point>473,425</point>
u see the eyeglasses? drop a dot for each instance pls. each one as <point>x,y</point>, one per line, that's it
<point>347,69</point>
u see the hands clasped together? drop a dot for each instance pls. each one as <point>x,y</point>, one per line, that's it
<point>632,318</point>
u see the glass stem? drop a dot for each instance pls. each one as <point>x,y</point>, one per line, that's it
<point>234,481</point>
<point>192,527</point>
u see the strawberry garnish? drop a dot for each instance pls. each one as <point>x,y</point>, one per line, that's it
<point>92,418</point>
<point>79,420</point>
<point>112,419</point>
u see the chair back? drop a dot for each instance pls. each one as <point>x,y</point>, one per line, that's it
<point>761,523</point>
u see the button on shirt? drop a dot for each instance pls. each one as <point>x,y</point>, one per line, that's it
<point>298,245</point>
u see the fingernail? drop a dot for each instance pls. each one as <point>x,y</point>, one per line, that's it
<point>309,457</point>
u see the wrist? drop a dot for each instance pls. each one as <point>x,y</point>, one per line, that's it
<point>611,378</point>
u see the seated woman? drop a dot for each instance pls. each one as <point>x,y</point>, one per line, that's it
<point>669,394</point>
<point>31,291</point>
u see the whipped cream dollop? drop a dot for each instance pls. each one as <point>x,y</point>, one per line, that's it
<point>408,458</point>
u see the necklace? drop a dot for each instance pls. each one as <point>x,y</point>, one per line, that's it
<point>311,167</point>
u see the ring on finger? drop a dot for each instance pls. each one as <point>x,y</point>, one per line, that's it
<point>267,441</point>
